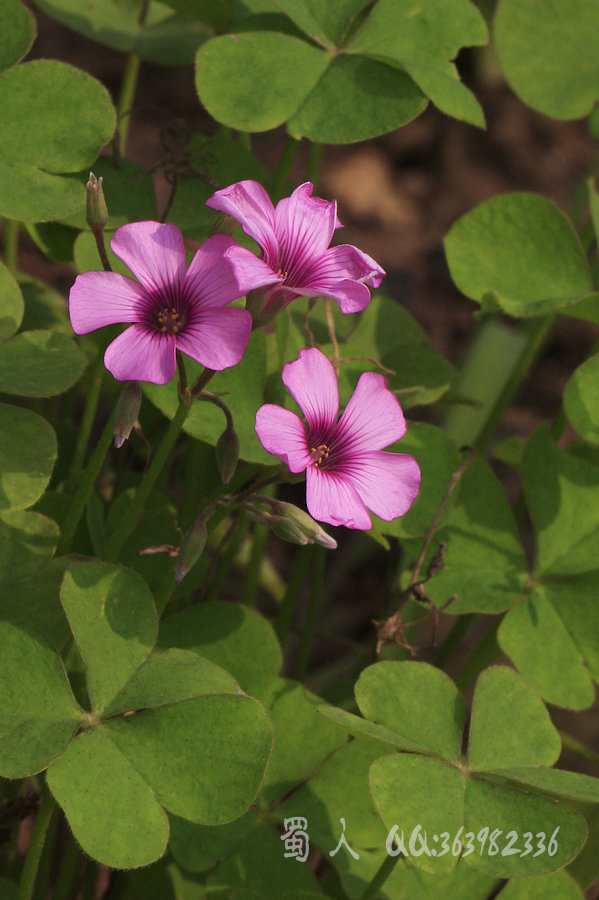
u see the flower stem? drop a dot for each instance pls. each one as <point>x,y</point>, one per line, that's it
<point>30,868</point>
<point>279,183</point>
<point>87,420</point>
<point>293,590</point>
<point>129,519</point>
<point>537,334</point>
<point>484,654</point>
<point>68,870</point>
<point>86,486</point>
<point>11,244</point>
<point>572,744</point>
<point>380,877</point>
<point>252,575</point>
<point>126,98</point>
<point>309,629</point>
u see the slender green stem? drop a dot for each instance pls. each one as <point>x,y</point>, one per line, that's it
<point>380,877</point>
<point>484,654</point>
<point>136,506</point>
<point>46,864</point>
<point>537,334</point>
<point>305,648</point>
<point>279,183</point>
<point>126,98</point>
<point>89,880</point>
<point>453,640</point>
<point>245,140</point>
<point>87,420</point>
<point>68,871</point>
<point>314,163</point>
<point>30,868</point>
<point>295,582</point>
<point>11,244</point>
<point>86,486</point>
<point>572,744</point>
<point>234,541</point>
<point>254,566</point>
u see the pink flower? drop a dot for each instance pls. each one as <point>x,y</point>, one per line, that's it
<point>347,471</point>
<point>173,307</point>
<point>294,238</point>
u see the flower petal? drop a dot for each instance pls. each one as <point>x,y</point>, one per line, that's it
<point>248,202</point>
<point>304,226</point>
<point>154,253</point>
<point>312,382</point>
<point>222,271</point>
<point>142,354</point>
<point>330,498</point>
<point>217,337</point>
<point>372,419</point>
<point>104,298</point>
<point>343,273</point>
<point>283,433</point>
<point>388,483</point>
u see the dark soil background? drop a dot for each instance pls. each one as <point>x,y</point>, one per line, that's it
<point>398,196</point>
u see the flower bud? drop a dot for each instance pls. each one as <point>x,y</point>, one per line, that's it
<point>127,411</point>
<point>97,213</point>
<point>286,529</point>
<point>227,454</point>
<point>305,523</point>
<point>191,548</point>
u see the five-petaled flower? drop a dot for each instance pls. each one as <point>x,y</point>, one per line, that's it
<point>347,472</point>
<point>172,307</point>
<point>294,238</point>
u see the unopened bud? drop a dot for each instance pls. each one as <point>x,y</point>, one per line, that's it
<point>312,531</point>
<point>97,213</point>
<point>286,529</point>
<point>127,411</point>
<point>227,454</point>
<point>191,548</point>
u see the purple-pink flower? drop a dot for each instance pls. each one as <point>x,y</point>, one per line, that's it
<point>347,471</point>
<point>173,307</point>
<point>294,237</point>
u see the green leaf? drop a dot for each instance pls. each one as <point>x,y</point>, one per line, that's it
<point>581,400</point>
<point>200,847</point>
<point>32,601</point>
<point>510,725</point>
<point>557,782</point>
<point>323,22</point>
<point>39,713</point>
<point>243,387</point>
<point>54,117</point>
<point>539,642</point>
<point>509,811</point>
<point>54,239</point>
<point>27,456</point>
<point>293,712</point>
<point>562,493</point>
<point>548,53</point>
<point>255,81</point>
<point>259,861</point>
<point>112,812</point>
<point>394,694</point>
<point>30,195</point>
<point>232,636</point>
<point>45,308</point>
<point>17,27</point>
<point>11,301</point>
<point>421,375</point>
<point>408,791</point>
<point>422,38</point>
<point>171,677</point>
<point>386,98</point>
<point>558,886</point>
<point>521,248</point>
<point>165,38</point>
<point>27,541</point>
<point>203,758</point>
<point>112,616</point>
<point>39,364</point>
<point>483,565</point>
